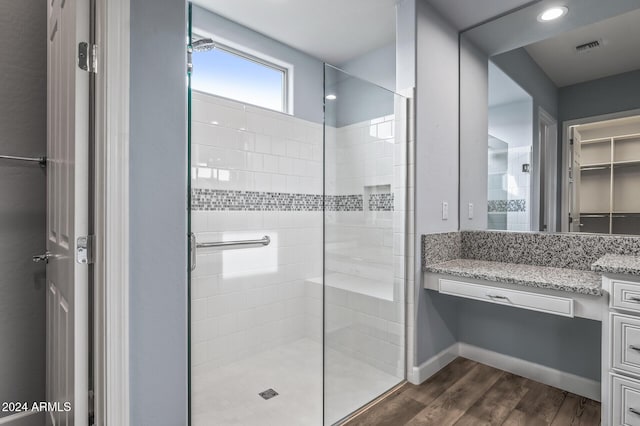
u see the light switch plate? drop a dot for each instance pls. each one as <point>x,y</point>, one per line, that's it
<point>445,210</point>
<point>470,211</point>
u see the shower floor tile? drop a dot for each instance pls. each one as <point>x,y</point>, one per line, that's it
<point>229,395</point>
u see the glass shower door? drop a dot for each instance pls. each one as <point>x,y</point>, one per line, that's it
<point>364,223</point>
<point>256,217</point>
<point>298,232</point>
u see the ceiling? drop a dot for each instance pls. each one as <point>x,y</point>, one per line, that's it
<point>464,14</point>
<point>620,37</point>
<point>502,89</point>
<point>331,30</point>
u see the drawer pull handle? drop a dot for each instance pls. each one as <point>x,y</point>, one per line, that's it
<point>494,296</point>
<point>635,348</point>
<point>633,299</point>
<point>634,411</point>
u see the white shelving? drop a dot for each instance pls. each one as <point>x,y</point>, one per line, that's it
<point>610,185</point>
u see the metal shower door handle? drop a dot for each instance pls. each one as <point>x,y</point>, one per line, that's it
<point>264,241</point>
<point>192,246</point>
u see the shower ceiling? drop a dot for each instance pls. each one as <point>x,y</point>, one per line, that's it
<point>332,30</point>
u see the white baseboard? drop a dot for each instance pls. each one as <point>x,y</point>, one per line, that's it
<point>537,372</point>
<point>430,367</point>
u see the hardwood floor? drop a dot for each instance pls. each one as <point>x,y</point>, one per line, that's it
<point>472,394</point>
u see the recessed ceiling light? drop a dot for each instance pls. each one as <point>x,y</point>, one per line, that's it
<point>553,13</point>
<point>332,97</point>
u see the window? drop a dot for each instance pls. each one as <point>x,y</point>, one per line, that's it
<point>226,72</point>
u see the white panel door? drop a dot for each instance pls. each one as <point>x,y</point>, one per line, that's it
<point>67,214</point>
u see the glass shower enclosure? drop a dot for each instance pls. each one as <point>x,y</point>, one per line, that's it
<point>297,288</point>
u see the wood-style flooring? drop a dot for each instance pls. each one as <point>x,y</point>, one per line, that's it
<point>472,394</point>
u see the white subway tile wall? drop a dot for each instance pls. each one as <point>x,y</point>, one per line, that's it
<point>251,300</point>
<point>364,250</point>
<point>519,188</point>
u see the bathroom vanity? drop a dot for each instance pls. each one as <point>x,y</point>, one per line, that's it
<point>567,275</point>
<point>620,339</point>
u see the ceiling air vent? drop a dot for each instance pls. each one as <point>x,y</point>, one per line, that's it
<point>587,47</point>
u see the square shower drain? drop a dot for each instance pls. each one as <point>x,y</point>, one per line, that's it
<point>268,394</point>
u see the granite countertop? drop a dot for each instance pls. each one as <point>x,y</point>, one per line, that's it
<point>617,264</point>
<point>563,279</point>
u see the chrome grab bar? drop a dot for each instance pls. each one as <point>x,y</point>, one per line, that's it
<point>40,160</point>
<point>264,241</point>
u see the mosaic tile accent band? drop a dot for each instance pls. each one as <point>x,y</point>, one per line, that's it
<point>381,202</point>
<point>507,206</point>
<point>343,203</point>
<point>227,200</point>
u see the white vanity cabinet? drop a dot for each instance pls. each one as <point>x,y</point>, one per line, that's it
<point>621,351</point>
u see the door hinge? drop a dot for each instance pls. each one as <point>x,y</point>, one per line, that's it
<point>189,59</point>
<point>88,57</point>
<point>571,141</point>
<point>85,249</point>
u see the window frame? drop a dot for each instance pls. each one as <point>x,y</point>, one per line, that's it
<point>263,60</point>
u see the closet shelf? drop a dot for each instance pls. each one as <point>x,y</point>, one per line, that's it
<point>590,167</point>
<point>597,140</point>
<point>626,163</point>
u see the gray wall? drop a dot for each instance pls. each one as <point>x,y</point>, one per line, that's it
<point>519,65</point>
<point>603,96</point>
<point>357,100</point>
<point>377,66</point>
<point>566,344</point>
<point>158,213</point>
<point>308,88</point>
<point>474,127</point>
<point>23,117</point>
<point>436,164</point>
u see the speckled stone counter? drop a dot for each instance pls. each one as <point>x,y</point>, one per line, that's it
<point>617,264</point>
<point>574,251</point>
<point>562,279</point>
<point>535,259</point>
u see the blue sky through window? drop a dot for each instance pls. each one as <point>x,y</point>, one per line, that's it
<point>232,76</point>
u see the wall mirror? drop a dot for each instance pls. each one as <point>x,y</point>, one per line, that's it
<point>550,119</point>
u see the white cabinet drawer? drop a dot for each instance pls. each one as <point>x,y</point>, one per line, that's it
<point>625,405</point>
<point>625,295</point>
<point>626,343</point>
<point>519,299</point>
